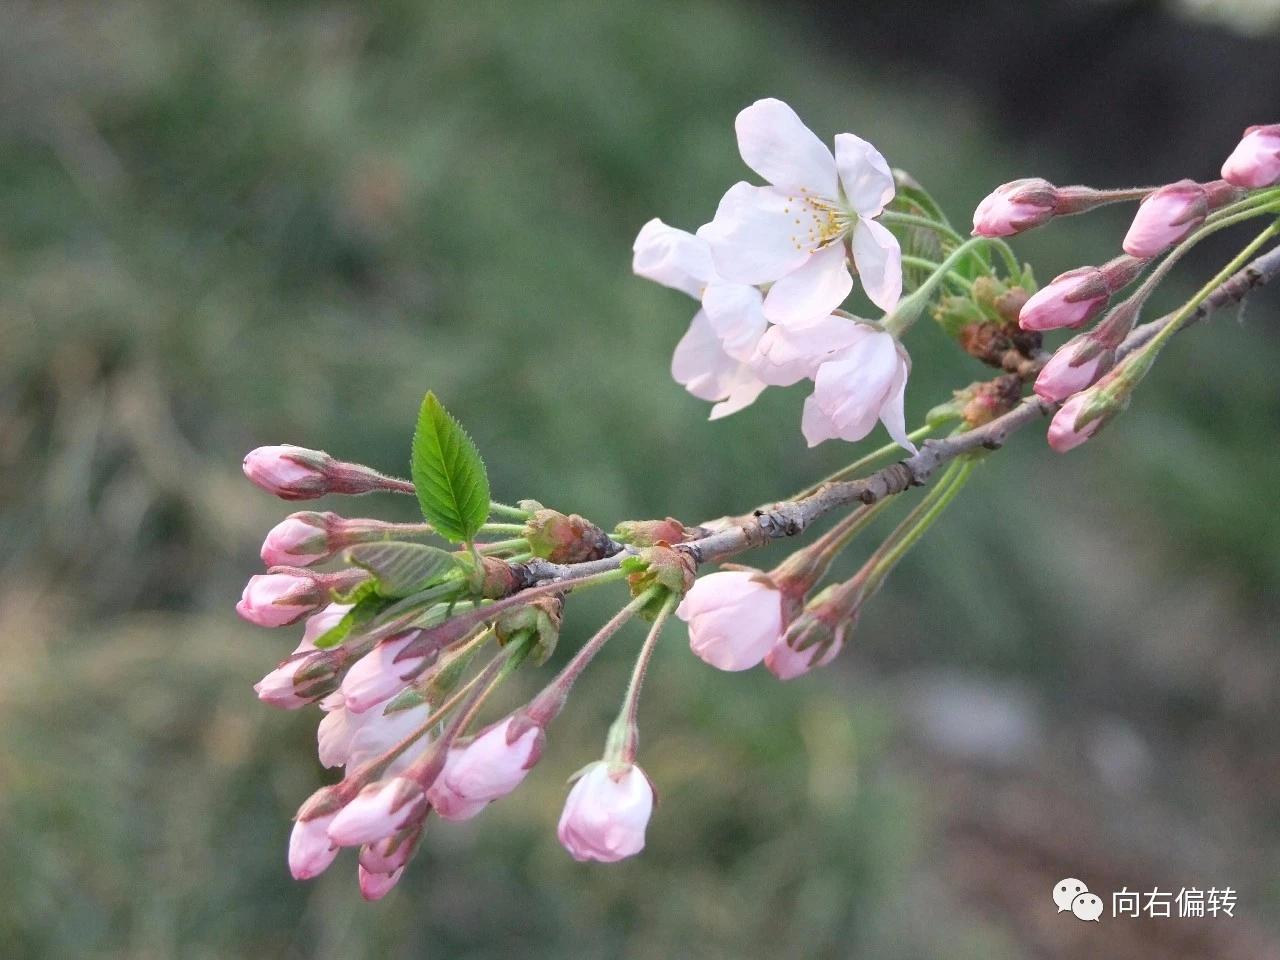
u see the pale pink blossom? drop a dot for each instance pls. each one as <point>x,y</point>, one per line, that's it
<point>295,542</point>
<point>345,738</point>
<point>448,804</point>
<point>789,354</point>
<point>491,767</point>
<point>1014,207</point>
<point>1255,162</point>
<point>279,688</point>
<point>375,886</point>
<point>390,853</point>
<point>1058,380</point>
<point>1063,432</point>
<point>381,673</point>
<point>1069,300</point>
<point>703,367</point>
<point>734,617</point>
<point>1165,217</point>
<point>792,233</point>
<point>321,622</point>
<point>284,471</point>
<point>277,599</point>
<point>310,849</point>
<point>864,383</point>
<point>378,811</point>
<point>786,663</point>
<point>606,813</point>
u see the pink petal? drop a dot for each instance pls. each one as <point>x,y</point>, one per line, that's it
<point>864,174</point>
<point>754,237</point>
<point>775,143</point>
<point>812,291</point>
<point>878,258</point>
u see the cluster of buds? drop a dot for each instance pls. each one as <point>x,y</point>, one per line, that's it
<point>1169,218</point>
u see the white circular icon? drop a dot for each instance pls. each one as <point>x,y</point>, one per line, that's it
<point>1067,890</point>
<point>1087,906</point>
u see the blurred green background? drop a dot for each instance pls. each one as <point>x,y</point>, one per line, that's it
<point>226,225</point>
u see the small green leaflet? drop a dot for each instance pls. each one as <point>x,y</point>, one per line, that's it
<point>402,569</point>
<point>448,474</point>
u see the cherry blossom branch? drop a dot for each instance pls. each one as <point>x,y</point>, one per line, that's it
<point>789,518</point>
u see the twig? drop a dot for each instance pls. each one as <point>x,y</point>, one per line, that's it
<point>788,518</point>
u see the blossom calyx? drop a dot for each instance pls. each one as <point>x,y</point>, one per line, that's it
<point>648,533</point>
<point>296,473</point>
<point>539,619</point>
<point>563,538</point>
<point>660,566</point>
<point>815,637</point>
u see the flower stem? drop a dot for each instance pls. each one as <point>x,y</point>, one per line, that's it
<point>502,528</point>
<point>497,509</point>
<point>624,734</point>
<point>924,223</point>
<point>917,522</point>
<point>930,265</point>
<point>912,306</point>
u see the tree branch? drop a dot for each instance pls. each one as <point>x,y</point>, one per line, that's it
<point>788,518</point>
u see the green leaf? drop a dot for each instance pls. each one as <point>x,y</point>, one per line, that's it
<point>402,569</point>
<point>448,474</point>
<point>367,606</point>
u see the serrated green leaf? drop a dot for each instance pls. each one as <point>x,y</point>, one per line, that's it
<point>401,569</point>
<point>450,478</point>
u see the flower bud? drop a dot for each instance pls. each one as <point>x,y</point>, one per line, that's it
<point>818,635</point>
<point>277,599</point>
<point>1255,162</point>
<point>375,886</point>
<point>660,566</point>
<point>606,813</point>
<point>296,473</point>
<point>298,541</point>
<point>495,762</point>
<point>346,738</point>
<point>382,672</point>
<point>391,853</point>
<point>1062,376</point>
<point>318,624</point>
<point>378,811</point>
<point>565,539</point>
<point>1014,207</point>
<point>649,533</point>
<point>310,849</point>
<point>1171,213</point>
<point>1069,300</point>
<point>734,617</point>
<point>301,679</point>
<point>1064,434</point>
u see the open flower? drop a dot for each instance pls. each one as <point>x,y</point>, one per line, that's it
<point>793,232</point>
<point>864,383</point>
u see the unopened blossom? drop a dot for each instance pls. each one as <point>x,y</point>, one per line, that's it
<point>1014,207</point>
<point>1059,379</point>
<point>285,471</point>
<point>1255,162</point>
<point>296,541</point>
<point>606,813</point>
<point>864,383</point>
<point>378,811</point>
<point>792,233</point>
<point>1064,435</point>
<point>381,673</point>
<point>494,763</point>
<point>1165,217</point>
<point>346,738</point>
<point>375,886</point>
<point>303,678</point>
<point>1069,300</point>
<point>786,663</point>
<point>734,617</point>
<point>277,599</point>
<point>310,849</point>
<point>391,853</point>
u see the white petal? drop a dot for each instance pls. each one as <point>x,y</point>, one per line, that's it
<point>878,258</point>
<point>816,425</point>
<point>892,413</point>
<point>813,291</point>
<point>673,258</point>
<point>743,393</point>
<point>734,311</point>
<point>852,389</point>
<point>754,237</point>
<point>776,144</point>
<point>864,174</point>
<point>700,364</point>
<point>787,355</point>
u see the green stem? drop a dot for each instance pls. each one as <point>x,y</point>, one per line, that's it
<point>497,509</point>
<point>916,523</point>
<point>923,223</point>
<point>624,734</point>
<point>924,264</point>
<point>912,306</point>
<point>502,528</point>
<point>499,546</point>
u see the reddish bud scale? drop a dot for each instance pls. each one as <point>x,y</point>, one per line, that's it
<point>649,533</point>
<point>563,538</point>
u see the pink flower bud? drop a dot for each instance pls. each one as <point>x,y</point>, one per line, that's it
<point>494,763</point>
<point>375,886</point>
<point>734,617</point>
<point>302,679</point>
<point>288,472</point>
<point>1255,162</point>
<point>1069,300</point>
<point>378,811</point>
<point>380,674</point>
<point>353,739</point>
<point>1014,207</point>
<point>1058,380</point>
<point>310,849</point>
<point>1165,217</point>
<point>451,805</point>
<point>606,813</point>
<point>297,541</point>
<point>1063,434</point>
<point>391,853</point>
<point>787,663</point>
<point>276,599</point>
